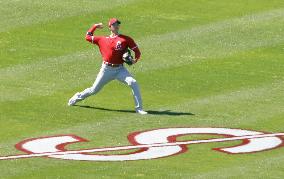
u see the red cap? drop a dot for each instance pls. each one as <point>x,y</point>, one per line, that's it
<point>112,21</point>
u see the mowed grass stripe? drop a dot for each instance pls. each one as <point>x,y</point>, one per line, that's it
<point>45,77</point>
<point>269,164</point>
<point>18,14</point>
<point>215,40</point>
<point>209,41</point>
<point>244,107</point>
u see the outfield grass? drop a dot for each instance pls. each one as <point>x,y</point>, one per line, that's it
<point>204,64</point>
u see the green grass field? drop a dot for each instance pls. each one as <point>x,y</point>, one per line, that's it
<point>207,63</point>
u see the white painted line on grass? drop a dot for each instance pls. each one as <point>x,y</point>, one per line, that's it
<point>129,147</point>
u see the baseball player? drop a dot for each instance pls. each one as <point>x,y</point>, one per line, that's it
<point>112,48</point>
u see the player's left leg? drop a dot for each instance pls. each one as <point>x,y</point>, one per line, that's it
<point>125,77</point>
<point>105,75</point>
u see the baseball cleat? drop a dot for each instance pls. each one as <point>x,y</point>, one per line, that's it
<point>140,111</point>
<point>72,101</point>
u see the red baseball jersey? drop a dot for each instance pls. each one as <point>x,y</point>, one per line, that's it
<point>112,48</point>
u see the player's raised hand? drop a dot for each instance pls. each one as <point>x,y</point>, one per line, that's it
<point>99,25</point>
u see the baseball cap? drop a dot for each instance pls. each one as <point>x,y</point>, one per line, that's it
<point>112,21</point>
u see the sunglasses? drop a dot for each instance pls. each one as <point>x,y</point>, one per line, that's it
<point>115,24</point>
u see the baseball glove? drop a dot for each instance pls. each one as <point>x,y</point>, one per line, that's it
<point>128,58</point>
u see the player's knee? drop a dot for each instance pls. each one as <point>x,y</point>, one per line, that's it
<point>130,81</point>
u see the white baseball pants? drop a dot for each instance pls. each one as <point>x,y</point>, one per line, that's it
<point>107,74</point>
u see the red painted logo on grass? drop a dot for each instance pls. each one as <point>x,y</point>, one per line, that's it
<point>150,144</point>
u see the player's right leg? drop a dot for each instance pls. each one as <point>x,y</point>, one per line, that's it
<point>104,76</point>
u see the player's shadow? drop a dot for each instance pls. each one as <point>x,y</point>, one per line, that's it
<point>164,112</point>
<point>170,113</point>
